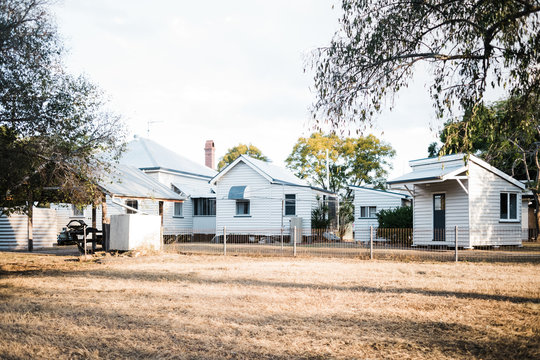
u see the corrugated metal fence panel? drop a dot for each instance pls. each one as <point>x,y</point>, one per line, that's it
<point>14,231</point>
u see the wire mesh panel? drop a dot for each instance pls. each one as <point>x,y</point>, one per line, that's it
<point>400,244</point>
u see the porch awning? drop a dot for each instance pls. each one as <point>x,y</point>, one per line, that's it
<point>437,174</point>
<point>238,192</point>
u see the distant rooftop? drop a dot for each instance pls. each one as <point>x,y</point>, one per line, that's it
<point>147,154</point>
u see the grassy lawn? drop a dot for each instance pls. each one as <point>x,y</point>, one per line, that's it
<point>190,306</point>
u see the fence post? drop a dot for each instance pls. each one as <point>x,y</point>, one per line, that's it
<point>281,238</point>
<point>371,242</point>
<point>456,244</point>
<point>224,240</point>
<point>294,242</point>
<point>84,240</point>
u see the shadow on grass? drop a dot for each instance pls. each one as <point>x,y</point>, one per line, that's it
<point>193,277</point>
<point>128,334</point>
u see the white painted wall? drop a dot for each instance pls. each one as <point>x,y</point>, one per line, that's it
<point>365,197</point>
<point>457,213</point>
<point>486,227</point>
<point>265,203</point>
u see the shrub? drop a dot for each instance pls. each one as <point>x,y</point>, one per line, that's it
<point>401,217</point>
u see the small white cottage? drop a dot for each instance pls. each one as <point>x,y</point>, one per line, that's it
<point>369,201</point>
<point>255,197</point>
<point>482,201</point>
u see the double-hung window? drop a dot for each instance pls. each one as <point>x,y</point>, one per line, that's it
<point>290,204</point>
<point>368,211</point>
<point>178,209</point>
<point>242,207</point>
<point>508,207</point>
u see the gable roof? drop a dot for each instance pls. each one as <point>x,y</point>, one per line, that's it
<point>380,192</point>
<point>450,166</point>
<point>147,154</point>
<point>273,173</point>
<point>129,182</point>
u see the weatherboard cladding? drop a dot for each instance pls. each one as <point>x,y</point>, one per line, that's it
<point>371,197</point>
<point>457,213</point>
<point>265,202</point>
<point>484,193</point>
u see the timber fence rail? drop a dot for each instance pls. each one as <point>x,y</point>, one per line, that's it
<point>450,244</point>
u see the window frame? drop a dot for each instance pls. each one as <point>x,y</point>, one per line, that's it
<point>290,202</point>
<point>509,196</point>
<point>181,214</point>
<point>203,206</point>
<point>134,203</point>
<point>367,211</point>
<point>243,201</point>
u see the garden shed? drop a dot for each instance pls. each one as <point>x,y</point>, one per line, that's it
<point>453,190</point>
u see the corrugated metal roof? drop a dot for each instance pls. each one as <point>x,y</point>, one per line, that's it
<point>276,173</point>
<point>199,191</point>
<point>429,174</point>
<point>384,192</point>
<point>130,182</point>
<point>147,154</point>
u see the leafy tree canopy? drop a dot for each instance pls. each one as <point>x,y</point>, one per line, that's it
<point>468,45</point>
<point>352,161</point>
<point>241,149</point>
<point>54,127</point>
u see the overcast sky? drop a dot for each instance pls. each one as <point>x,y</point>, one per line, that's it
<point>230,71</point>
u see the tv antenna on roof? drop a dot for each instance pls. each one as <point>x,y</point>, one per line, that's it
<point>148,126</point>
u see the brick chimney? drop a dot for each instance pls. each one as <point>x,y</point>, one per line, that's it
<point>209,156</point>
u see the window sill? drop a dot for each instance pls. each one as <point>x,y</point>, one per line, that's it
<point>367,218</point>
<point>291,215</point>
<point>509,221</point>
<point>204,215</point>
<point>177,217</point>
<point>242,216</point>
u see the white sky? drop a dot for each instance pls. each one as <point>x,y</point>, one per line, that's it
<point>231,71</point>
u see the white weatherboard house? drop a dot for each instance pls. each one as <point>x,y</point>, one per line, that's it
<point>482,201</point>
<point>186,177</point>
<point>257,197</point>
<point>367,203</point>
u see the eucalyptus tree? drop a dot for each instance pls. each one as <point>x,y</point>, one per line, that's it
<point>467,46</point>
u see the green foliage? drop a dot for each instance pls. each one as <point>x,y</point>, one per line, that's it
<point>352,161</point>
<point>54,128</point>
<point>468,45</point>
<point>401,217</point>
<point>319,217</point>
<point>346,216</point>
<point>240,149</point>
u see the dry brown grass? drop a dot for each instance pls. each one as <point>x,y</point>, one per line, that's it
<point>177,306</point>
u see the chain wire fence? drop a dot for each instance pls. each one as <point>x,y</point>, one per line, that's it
<point>450,244</point>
